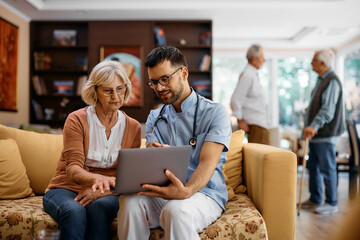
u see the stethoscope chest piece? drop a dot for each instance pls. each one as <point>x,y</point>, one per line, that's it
<point>193,141</point>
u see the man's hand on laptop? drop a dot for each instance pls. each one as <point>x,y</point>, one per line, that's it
<point>157,144</point>
<point>175,190</point>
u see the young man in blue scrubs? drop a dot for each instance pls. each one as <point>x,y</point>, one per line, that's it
<point>181,210</point>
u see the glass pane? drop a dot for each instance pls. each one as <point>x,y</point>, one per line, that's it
<point>352,86</point>
<point>295,82</point>
<point>226,75</point>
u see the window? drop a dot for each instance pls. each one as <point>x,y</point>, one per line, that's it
<point>295,81</point>
<point>226,76</point>
<point>287,84</point>
<point>352,85</point>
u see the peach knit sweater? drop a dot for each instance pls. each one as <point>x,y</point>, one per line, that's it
<point>76,145</point>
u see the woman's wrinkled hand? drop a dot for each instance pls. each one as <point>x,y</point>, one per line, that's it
<point>103,183</point>
<point>87,196</point>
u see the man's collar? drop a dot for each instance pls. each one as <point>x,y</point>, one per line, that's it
<point>189,102</point>
<point>325,74</point>
<point>252,67</point>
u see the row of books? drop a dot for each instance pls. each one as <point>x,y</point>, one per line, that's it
<point>160,39</point>
<point>42,61</point>
<point>205,63</point>
<point>60,87</point>
<point>39,85</point>
<point>39,114</point>
<point>202,87</point>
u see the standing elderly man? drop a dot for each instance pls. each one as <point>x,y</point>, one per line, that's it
<point>186,118</point>
<point>248,100</point>
<point>324,124</point>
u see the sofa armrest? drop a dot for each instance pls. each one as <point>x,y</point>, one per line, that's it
<point>270,178</point>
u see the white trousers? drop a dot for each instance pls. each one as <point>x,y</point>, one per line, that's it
<point>180,219</point>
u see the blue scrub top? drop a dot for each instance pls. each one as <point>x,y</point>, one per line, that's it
<point>212,125</point>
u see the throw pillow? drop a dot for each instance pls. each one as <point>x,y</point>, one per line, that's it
<point>14,182</point>
<point>233,166</point>
<point>40,153</point>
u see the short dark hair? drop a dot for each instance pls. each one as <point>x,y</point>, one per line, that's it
<point>166,53</point>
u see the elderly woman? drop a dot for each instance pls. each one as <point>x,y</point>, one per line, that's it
<point>78,196</point>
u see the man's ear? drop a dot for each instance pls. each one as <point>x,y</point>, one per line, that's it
<point>185,73</point>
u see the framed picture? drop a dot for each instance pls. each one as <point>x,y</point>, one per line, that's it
<point>8,66</point>
<point>131,57</point>
<point>64,37</point>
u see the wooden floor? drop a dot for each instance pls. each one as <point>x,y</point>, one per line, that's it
<point>311,226</point>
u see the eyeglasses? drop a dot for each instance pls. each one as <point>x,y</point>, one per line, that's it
<point>108,92</point>
<point>164,80</point>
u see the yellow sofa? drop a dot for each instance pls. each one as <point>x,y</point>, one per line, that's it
<point>261,183</point>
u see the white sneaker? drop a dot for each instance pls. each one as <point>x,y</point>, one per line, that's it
<point>326,209</point>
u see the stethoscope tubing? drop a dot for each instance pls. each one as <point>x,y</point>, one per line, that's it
<point>192,140</point>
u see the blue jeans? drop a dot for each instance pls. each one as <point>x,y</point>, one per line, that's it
<point>75,221</point>
<point>322,166</point>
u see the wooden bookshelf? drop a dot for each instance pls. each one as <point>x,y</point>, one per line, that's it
<point>90,37</point>
<point>53,62</point>
<point>189,33</point>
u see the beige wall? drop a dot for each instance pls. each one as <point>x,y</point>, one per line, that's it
<point>22,115</point>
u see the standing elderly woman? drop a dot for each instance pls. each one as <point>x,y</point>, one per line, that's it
<point>93,137</point>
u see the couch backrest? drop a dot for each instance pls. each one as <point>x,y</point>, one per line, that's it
<point>39,152</point>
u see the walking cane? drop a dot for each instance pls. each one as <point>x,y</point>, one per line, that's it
<point>306,157</point>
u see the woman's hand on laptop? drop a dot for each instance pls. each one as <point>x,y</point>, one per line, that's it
<point>157,144</point>
<point>102,183</point>
<point>175,190</point>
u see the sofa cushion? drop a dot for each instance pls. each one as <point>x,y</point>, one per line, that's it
<point>241,220</point>
<point>14,182</point>
<point>22,218</point>
<point>39,152</point>
<point>233,167</point>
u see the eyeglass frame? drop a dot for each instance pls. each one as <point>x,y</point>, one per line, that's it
<point>151,84</point>
<point>119,93</point>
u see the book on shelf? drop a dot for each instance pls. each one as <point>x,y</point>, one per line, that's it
<point>39,114</point>
<point>202,87</point>
<point>63,88</point>
<point>42,61</point>
<point>39,85</point>
<point>80,84</point>
<point>159,35</point>
<point>205,63</point>
<point>205,38</point>
<point>82,63</point>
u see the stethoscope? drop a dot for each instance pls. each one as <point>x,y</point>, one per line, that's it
<point>192,140</point>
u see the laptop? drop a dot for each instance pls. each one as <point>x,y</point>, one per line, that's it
<point>138,166</point>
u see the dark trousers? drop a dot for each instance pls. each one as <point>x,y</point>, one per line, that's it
<point>258,134</point>
<point>322,167</point>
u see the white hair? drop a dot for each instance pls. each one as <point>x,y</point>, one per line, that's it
<point>253,51</point>
<point>326,56</point>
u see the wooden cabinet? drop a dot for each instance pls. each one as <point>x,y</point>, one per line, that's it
<point>68,62</point>
<point>59,53</point>
<point>194,40</point>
